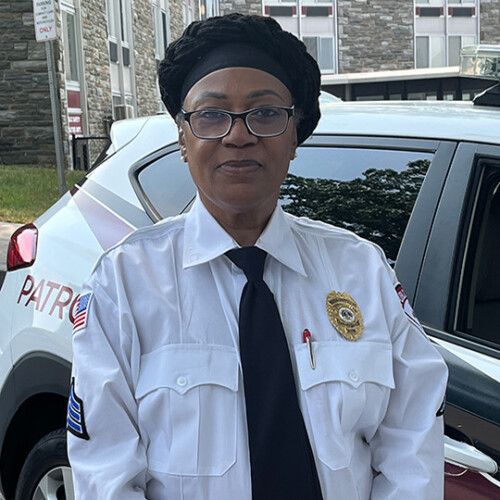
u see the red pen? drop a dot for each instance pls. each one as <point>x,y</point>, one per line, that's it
<point>307,339</point>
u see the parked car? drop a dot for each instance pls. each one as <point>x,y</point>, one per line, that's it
<point>421,179</point>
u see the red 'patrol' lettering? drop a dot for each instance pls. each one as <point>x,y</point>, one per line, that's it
<point>47,296</point>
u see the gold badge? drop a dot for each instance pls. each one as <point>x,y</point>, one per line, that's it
<point>344,315</point>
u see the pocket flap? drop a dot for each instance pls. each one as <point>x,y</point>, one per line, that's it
<point>183,366</point>
<point>353,364</point>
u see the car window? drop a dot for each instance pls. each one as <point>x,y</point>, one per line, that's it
<point>369,191</point>
<point>479,309</point>
<point>366,190</point>
<point>167,185</point>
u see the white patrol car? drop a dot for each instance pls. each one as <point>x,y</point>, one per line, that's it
<point>422,179</point>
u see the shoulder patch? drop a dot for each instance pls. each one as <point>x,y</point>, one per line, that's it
<point>80,320</point>
<point>405,304</point>
<point>75,421</point>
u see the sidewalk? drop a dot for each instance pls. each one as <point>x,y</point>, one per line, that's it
<point>6,229</point>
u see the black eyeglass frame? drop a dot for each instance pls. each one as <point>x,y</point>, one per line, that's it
<point>290,110</point>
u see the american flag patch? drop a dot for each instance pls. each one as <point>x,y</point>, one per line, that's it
<point>80,320</point>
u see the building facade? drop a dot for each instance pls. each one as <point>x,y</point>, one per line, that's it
<point>351,36</point>
<point>107,54</point>
<point>442,28</point>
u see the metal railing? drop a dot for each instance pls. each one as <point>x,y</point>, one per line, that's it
<point>88,151</point>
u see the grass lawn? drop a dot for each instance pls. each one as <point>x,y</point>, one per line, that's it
<point>26,192</point>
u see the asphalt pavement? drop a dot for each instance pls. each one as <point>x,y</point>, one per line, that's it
<point>6,229</point>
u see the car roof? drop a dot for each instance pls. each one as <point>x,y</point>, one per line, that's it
<point>446,120</point>
<point>124,132</point>
<point>455,120</point>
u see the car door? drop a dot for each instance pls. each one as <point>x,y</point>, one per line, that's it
<point>371,185</point>
<point>458,301</point>
<point>381,188</point>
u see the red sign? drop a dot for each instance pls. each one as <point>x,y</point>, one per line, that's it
<point>75,124</point>
<point>74,99</point>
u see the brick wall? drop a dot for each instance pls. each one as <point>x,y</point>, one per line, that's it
<point>490,21</point>
<point>144,54</point>
<point>26,131</point>
<point>375,35</point>
<point>242,6</point>
<point>176,19</point>
<point>96,64</point>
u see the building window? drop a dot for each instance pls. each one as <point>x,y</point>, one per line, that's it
<point>317,11</point>
<point>73,62</point>
<point>161,27</point>
<point>119,25</point>
<point>281,11</point>
<point>188,12</point>
<point>125,24</point>
<point>430,51</point>
<point>321,48</point>
<point>121,54</point>
<point>209,8</point>
<point>267,2</point>
<point>112,31</point>
<point>430,11</point>
<point>70,46</point>
<point>455,43</point>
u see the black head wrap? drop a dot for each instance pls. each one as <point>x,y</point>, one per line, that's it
<point>295,67</point>
<point>235,55</point>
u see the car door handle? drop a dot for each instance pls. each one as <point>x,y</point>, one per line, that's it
<point>465,455</point>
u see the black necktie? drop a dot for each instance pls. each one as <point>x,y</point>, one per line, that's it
<point>281,459</point>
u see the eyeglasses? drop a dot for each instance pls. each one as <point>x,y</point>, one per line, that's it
<point>265,121</point>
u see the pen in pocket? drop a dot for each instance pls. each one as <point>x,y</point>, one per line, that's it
<point>307,339</point>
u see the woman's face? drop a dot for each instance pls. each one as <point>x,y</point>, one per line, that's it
<point>240,173</point>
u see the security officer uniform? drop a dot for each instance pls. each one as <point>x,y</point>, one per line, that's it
<point>157,408</point>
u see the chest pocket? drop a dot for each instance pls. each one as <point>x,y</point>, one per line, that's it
<point>347,394</point>
<point>187,398</point>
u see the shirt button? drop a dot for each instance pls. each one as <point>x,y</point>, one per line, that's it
<point>182,381</point>
<point>353,375</point>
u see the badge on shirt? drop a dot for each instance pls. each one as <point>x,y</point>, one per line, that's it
<point>75,420</point>
<point>80,318</point>
<point>344,315</point>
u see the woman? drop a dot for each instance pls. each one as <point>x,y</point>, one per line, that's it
<point>238,352</point>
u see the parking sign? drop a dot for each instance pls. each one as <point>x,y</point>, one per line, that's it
<point>45,20</point>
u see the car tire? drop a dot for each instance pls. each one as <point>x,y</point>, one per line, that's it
<point>46,474</point>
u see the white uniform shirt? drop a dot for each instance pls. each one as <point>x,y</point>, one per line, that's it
<point>158,381</point>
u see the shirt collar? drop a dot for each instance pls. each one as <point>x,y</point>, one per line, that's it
<point>205,239</point>
<point>278,240</point>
